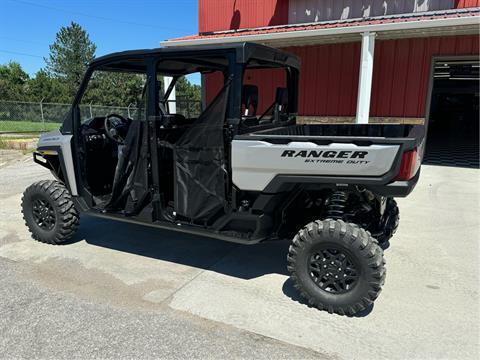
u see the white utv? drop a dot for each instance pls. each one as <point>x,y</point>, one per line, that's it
<point>233,174</point>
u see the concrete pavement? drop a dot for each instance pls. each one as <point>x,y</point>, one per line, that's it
<point>147,279</point>
<point>37,322</point>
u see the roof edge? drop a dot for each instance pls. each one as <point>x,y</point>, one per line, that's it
<point>432,13</point>
<point>451,19</point>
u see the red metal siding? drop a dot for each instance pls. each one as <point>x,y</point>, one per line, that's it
<point>466,3</point>
<point>213,84</point>
<point>402,69</point>
<point>217,15</point>
<point>329,76</point>
<point>267,81</point>
<point>329,79</point>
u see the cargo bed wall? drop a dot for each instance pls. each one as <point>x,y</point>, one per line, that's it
<point>369,152</point>
<point>391,131</point>
<point>256,163</point>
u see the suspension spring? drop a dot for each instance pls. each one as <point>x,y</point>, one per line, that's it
<point>336,205</point>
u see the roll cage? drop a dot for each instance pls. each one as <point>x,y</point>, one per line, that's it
<point>231,59</point>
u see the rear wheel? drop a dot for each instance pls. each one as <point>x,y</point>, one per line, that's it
<point>391,220</point>
<point>49,212</point>
<point>336,266</point>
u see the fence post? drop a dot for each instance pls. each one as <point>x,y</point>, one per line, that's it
<point>90,107</point>
<point>128,110</point>
<point>41,113</point>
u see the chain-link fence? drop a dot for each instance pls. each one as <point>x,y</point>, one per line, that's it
<point>29,117</point>
<point>187,107</point>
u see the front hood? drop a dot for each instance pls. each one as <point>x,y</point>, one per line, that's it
<point>52,138</point>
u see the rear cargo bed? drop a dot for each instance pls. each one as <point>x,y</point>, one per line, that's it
<point>340,130</point>
<point>350,154</point>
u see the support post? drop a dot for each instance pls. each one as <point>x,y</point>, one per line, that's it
<point>171,101</point>
<point>41,113</point>
<point>203,84</point>
<point>365,77</point>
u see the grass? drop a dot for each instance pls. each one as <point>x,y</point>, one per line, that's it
<point>26,126</point>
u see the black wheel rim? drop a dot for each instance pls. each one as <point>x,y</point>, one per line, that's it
<point>43,214</point>
<point>333,270</point>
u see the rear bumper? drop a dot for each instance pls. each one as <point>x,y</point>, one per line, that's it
<point>397,188</point>
<point>283,183</point>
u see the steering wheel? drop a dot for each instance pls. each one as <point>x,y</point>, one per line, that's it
<point>116,127</point>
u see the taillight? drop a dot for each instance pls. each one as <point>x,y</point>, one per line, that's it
<point>407,168</point>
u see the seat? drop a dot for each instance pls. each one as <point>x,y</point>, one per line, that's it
<point>280,107</point>
<point>175,120</point>
<point>250,105</point>
<point>172,120</point>
<point>281,104</point>
<point>250,99</point>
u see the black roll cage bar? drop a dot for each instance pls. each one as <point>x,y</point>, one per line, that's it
<point>237,58</point>
<point>233,59</point>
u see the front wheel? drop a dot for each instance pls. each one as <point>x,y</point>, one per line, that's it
<point>49,212</point>
<point>336,266</point>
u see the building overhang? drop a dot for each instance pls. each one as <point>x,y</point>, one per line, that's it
<point>438,23</point>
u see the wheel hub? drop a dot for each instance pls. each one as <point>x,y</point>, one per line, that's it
<point>333,270</point>
<point>43,214</point>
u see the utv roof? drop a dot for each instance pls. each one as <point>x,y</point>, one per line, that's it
<point>254,54</point>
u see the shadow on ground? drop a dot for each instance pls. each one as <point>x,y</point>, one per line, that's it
<point>240,261</point>
<point>245,261</point>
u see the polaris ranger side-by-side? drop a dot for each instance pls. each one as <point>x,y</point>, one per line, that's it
<point>232,173</point>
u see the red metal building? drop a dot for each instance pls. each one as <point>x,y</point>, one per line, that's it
<point>362,60</point>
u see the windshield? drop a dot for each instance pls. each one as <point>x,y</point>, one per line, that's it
<point>113,92</point>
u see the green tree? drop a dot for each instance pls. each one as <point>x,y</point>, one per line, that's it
<point>114,89</point>
<point>48,88</point>
<point>69,56</point>
<point>13,82</point>
<point>184,89</point>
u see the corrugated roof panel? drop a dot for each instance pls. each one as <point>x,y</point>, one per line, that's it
<point>338,24</point>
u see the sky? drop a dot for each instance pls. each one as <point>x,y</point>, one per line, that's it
<point>28,27</point>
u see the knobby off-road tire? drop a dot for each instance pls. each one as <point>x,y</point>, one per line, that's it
<point>49,212</point>
<point>336,266</point>
<point>391,225</point>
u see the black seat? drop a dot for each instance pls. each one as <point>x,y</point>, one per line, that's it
<point>280,107</point>
<point>250,105</point>
<point>172,120</point>
<point>250,99</point>
<point>281,104</point>
<point>175,120</point>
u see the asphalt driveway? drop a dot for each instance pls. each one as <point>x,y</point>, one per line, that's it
<point>122,290</point>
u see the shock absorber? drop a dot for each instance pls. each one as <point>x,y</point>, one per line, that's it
<point>336,205</point>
